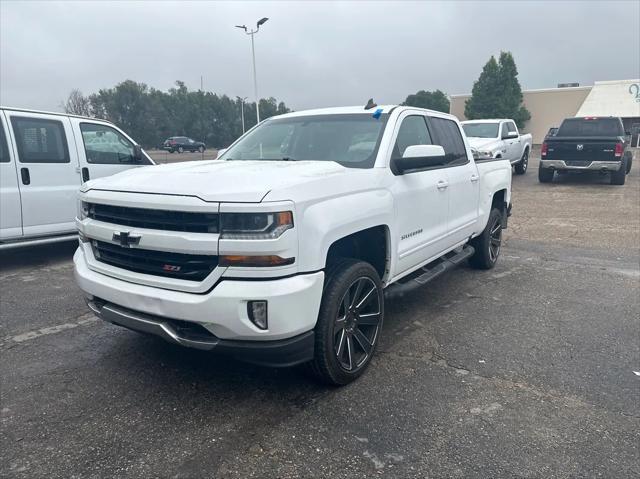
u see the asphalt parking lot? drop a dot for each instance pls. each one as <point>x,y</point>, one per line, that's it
<point>529,370</point>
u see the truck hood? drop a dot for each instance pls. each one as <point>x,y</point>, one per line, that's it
<point>218,180</point>
<point>487,144</point>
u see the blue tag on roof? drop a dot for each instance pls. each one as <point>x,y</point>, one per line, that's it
<point>377,113</point>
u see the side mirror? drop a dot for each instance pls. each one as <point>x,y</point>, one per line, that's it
<point>221,152</point>
<point>510,135</point>
<point>418,157</point>
<point>475,153</point>
<point>138,156</point>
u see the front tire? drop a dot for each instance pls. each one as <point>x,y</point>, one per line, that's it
<point>521,166</point>
<point>349,323</point>
<point>488,244</point>
<point>545,175</point>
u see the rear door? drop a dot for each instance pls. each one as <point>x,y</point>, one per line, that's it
<point>513,144</point>
<point>422,199</point>
<point>48,171</point>
<point>10,209</point>
<point>462,177</point>
<point>103,150</point>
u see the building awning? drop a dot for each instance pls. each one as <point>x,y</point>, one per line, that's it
<point>612,98</point>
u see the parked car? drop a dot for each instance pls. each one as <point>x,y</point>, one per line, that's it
<point>44,158</point>
<point>499,139</point>
<point>182,144</point>
<point>587,144</point>
<point>552,132</point>
<point>279,252</point>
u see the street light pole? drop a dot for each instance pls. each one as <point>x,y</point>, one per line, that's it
<point>262,21</point>
<point>241,100</point>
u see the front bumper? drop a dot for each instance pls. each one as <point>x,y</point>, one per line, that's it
<point>293,302</point>
<point>560,165</point>
<point>278,353</point>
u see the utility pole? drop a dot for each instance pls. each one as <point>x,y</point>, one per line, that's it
<point>262,21</point>
<point>241,100</point>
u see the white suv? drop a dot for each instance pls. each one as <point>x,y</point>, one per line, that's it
<point>279,252</point>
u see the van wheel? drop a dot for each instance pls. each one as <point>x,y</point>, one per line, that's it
<point>521,166</point>
<point>180,149</point>
<point>349,323</point>
<point>545,175</point>
<point>619,177</point>
<point>487,246</point>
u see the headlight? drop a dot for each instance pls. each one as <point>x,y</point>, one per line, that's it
<point>485,154</point>
<point>253,226</point>
<point>83,210</point>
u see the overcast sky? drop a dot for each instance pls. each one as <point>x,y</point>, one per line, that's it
<point>309,54</point>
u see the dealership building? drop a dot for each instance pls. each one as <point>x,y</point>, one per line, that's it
<point>549,106</point>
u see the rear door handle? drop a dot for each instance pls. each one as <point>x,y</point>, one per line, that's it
<point>442,185</point>
<point>24,174</point>
<point>474,178</point>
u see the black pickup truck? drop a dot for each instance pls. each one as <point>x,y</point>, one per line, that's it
<point>587,144</point>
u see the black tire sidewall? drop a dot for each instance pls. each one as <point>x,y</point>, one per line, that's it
<point>523,165</point>
<point>481,259</point>
<point>339,277</point>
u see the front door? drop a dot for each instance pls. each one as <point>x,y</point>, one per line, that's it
<point>10,213</point>
<point>422,200</point>
<point>464,181</point>
<point>48,172</point>
<point>103,150</point>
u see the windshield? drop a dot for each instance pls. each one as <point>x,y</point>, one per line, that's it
<point>351,140</point>
<point>481,130</point>
<point>591,127</point>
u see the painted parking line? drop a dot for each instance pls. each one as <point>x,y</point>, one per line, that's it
<point>83,320</point>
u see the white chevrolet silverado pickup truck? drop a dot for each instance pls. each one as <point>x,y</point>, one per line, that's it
<point>499,139</point>
<point>279,252</point>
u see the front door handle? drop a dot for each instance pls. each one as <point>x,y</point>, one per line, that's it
<point>443,185</point>
<point>24,174</point>
<point>475,178</point>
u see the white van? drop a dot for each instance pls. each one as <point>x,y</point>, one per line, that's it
<point>44,158</point>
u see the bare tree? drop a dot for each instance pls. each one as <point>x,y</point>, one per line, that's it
<point>77,104</point>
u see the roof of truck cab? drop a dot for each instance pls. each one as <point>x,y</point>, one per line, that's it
<point>486,120</point>
<point>57,113</point>
<point>351,110</point>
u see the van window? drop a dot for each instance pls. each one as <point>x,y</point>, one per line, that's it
<point>4,149</point>
<point>40,141</point>
<point>105,145</point>
<point>448,136</point>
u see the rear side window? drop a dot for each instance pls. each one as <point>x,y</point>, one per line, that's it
<point>105,145</point>
<point>447,134</point>
<point>413,131</point>
<point>511,127</point>
<point>4,149</point>
<point>40,141</point>
<point>591,127</point>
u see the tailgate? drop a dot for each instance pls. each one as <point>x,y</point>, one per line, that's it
<point>582,149</point>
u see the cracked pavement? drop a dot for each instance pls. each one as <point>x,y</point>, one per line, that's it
<point>523,371</point>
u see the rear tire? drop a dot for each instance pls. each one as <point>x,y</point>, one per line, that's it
<point>629,163</point>
<point>349,323</point>
<point>488,244</point>
<point>619,177</point>
<point>521,166</point>
<point>545,175</point>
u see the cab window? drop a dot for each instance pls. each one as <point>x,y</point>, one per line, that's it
<point>449,137</point>
<point>413,131</point>
<point>105,145</point>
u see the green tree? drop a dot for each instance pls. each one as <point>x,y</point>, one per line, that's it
<point>497,92</point>
<point>432,100</point>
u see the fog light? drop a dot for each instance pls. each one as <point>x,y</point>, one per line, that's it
<point>257,311</point>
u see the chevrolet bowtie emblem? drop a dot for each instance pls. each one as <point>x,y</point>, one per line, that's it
<point>126,239</point>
